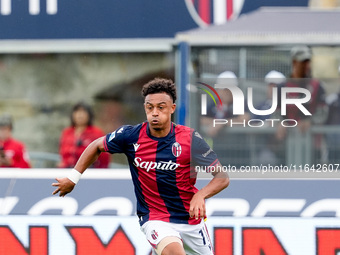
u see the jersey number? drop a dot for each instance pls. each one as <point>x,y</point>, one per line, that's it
<point>201,232</point>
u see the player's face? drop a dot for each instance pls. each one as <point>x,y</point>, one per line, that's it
<point>158,109</point>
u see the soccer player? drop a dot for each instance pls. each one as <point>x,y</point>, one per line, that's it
<point>161,157</point>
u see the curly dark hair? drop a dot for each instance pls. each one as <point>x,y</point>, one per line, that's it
<point>159,85</point>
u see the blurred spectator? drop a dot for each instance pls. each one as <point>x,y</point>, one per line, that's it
<point>12,152</point>
<point>333,139</point>
<point>226,111</point>
<point>230,148</point>
<point>333,102</point>
<point>301,78</point>
<point>272,151</point>
<point>272,80</point>
<point>78,136</point>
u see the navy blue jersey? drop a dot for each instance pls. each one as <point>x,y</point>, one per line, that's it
<point>161,169</point>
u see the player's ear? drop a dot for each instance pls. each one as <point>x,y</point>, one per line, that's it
<point>173,108</point>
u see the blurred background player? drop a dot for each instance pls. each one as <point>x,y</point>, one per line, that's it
<point>78,136</point>
<point>12,152</point>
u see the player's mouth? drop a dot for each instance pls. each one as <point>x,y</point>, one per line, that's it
<point>155,122</point>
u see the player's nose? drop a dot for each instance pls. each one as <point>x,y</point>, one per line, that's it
<point>155,112</point>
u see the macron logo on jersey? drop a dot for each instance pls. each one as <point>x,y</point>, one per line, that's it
<point>198,135</point>
<point>136,146</point>
<point>161,165</point>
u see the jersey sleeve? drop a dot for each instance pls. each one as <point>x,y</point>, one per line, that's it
<point>115,142</point>
<point>202,154</point>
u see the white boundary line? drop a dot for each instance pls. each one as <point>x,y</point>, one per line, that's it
<point>52,173</point>
<point>124,174</point>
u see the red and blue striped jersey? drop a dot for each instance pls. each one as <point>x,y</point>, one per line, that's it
<point>162,169</point>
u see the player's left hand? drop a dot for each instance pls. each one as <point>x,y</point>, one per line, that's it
<point>65,186</point>
<point>197,206</point>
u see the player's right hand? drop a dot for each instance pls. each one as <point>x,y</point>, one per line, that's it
<point>64,186</point>
<point>197,206</point>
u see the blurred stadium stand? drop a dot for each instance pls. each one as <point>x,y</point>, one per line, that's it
<point>251,46</point>
<point>296,149</point>
<point>41,159</point>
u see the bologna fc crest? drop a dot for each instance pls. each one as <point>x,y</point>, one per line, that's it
<point>154,234</point>
<point>217,12</point>
<point>176,149</point>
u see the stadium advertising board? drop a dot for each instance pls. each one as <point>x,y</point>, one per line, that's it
<point>55,235</point>
<point>274,216</point>
<point>110,192</point>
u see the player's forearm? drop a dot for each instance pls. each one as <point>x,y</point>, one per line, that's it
<point>216,185</point>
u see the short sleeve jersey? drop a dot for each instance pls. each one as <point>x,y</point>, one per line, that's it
<point>161,169</point>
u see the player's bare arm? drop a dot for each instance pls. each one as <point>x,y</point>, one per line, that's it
<point>216,185</point>
<point>90,155</point>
